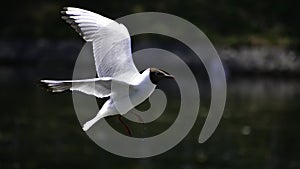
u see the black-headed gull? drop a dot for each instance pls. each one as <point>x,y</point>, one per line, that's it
<point>114,66</point>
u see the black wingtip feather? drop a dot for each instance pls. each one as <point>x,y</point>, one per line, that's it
<point>45,86</point>
<point>65,8</point>
<point>55,87</point>
<point>71,21</point>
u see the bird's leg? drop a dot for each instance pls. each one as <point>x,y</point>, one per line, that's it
<point>125,125</point>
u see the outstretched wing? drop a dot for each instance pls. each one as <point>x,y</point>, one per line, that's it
<point>111,43</point>
<point>99,87</point>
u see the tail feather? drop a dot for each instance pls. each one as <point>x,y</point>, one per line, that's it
<point>89,124</point>
<point>103,112</point>
<point>55,86</point>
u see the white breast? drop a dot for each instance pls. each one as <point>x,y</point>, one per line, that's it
<point>142,88</point>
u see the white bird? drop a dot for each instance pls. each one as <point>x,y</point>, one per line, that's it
<point>114,66</point>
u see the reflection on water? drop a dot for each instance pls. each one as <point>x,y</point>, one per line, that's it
<point>259,129</point>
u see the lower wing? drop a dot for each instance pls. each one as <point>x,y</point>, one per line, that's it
<point>99,87</point>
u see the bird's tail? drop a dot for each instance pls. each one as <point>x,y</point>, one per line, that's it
<point>90,123</point>
<point>55,86</point>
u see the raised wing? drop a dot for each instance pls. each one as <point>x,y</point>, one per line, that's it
<point>111,43</point>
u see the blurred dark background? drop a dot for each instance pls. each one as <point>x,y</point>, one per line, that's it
<point>258,42</point>
<point>246,22</point>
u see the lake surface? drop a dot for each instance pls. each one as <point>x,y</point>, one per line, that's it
<point>259,129</point>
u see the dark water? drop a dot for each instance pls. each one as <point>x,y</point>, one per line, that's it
<point>259,129</point>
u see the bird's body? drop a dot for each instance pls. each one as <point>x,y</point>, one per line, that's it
<point>118,78</point>
<point>139,90</point>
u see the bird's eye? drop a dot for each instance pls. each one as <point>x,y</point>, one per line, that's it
<point>159,74</point>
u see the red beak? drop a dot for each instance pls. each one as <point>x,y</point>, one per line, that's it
<point>170,77</point>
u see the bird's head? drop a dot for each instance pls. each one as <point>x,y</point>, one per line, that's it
<point>157,75</point>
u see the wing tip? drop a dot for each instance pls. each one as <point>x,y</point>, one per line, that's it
<point>54,86</point>
<point>67,17</point>
<point>70,8</point>
<point>43,84</point>
<point>64,10</point>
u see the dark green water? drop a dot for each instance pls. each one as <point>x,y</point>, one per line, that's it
<point>259,129</point>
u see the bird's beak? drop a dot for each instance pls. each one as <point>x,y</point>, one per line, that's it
<point>170,77</point>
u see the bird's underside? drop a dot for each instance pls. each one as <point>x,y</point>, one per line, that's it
<point>89,86</point>
<point>122,97</point>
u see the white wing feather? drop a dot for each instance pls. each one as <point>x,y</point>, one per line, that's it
<point>99,87</point>
<point>111,43</point>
